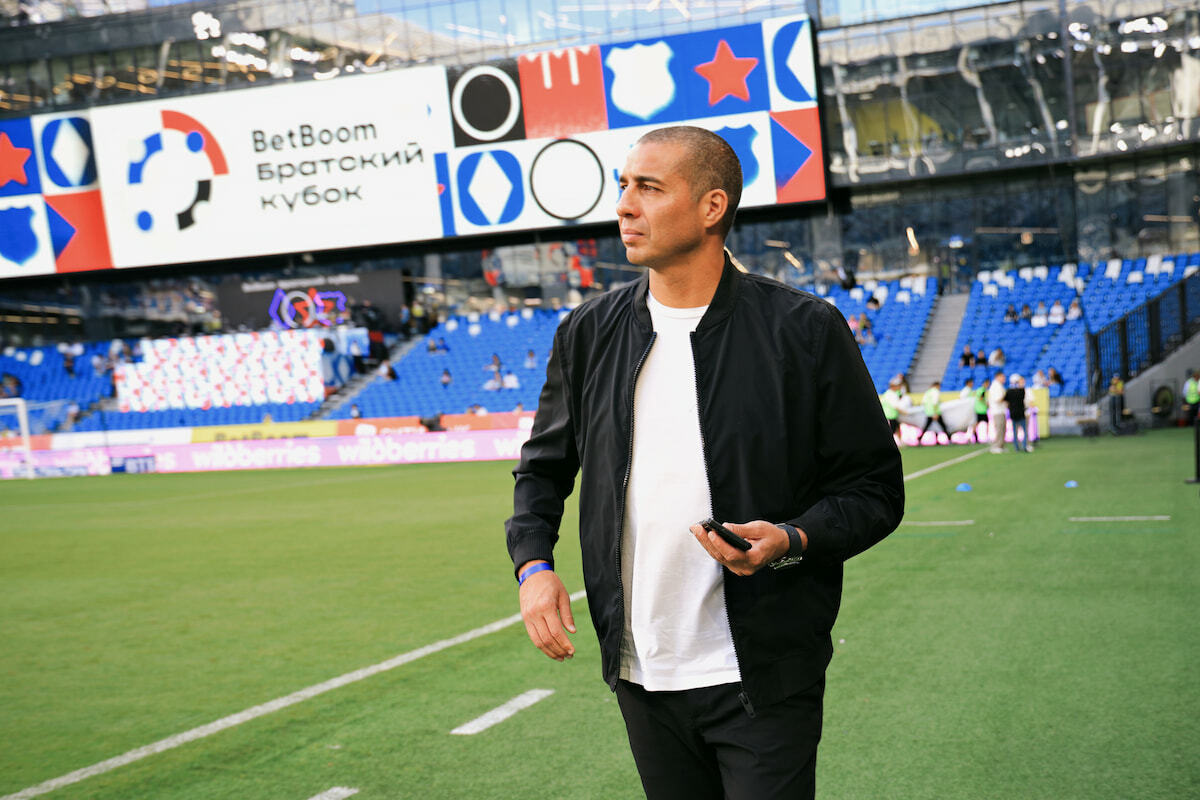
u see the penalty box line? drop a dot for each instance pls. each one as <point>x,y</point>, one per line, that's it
<point>278,704</point>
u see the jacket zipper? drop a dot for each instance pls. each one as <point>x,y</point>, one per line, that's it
<point>742,696</point>
<point>624,490</point>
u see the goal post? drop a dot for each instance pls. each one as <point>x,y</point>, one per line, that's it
<point>18,407</point>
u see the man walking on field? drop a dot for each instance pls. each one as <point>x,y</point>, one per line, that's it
<point>697,392</point>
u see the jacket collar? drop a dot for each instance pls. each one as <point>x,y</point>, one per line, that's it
<point>718,308</point>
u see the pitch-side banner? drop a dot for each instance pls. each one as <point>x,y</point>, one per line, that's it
<point>416,154</point>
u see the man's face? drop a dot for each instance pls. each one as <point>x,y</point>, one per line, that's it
<point>661,221</point>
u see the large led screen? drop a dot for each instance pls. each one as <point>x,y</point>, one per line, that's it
<point>416,154</point>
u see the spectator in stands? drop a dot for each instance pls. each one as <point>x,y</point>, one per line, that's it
<point>931,404</point>
<point>1074,311</point>
<point>98,364</point>
<point>865,334</point>
<point>967,359</point>
<point>442,347</point>
<point>494,383</point>
<point>873,304</point>
<point>1010,314</point>
<point>519,408</point>
<point>511,381</point>
<point>1053,378</point>
<point>1026,312</point>
<point>1191,398</point>
<point>904,388</point>
<point>431,345</point>
<point>531,360</point>
<point>853,323</point>
<point>354,412</point>
<point>980,358</point>
<point>1057,315</point>
<point>69,364</point>
<point>495,365</point>
<point>72,416</point>
<point>1039,380</point>
<point>1015,398</point>
<point>1116,402</point>
<point>1039,316</point>
<point>996,411</point>
<point>996,358</point>
<point>446,379</point>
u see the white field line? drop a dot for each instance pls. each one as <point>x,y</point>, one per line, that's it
<point>954,523</point>
<point>501,713</point>
<point>171,742</point>
<point>1151,518</point>
<point>335,793</point>
<point>951,462</point>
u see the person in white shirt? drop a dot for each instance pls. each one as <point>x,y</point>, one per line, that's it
<point>997,412</point>
<point>1057,314</point>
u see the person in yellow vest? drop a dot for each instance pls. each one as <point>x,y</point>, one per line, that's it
<point>1116,402</point>
<point>1191,397</point>
<point>892,401</point>
<point>931,404</point>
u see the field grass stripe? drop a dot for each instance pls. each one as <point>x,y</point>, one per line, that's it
<point>171,742</point>
<point>1151,518</point>
<point>335,793</point>
<point>913,476</point>
<point>944,523</point>
<point>501,713</point>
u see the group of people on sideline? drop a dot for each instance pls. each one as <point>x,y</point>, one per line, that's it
<point>994,403</point>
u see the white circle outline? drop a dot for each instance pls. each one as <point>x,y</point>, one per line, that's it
<point>514,105</point>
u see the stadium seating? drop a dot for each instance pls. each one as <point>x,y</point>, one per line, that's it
<point>897,325</point>
<point>186,418</point>
<point>471,341</point>
<point>44,378</point>
<point>245,378</point>
<point>1028,345</point>
<point>1118,285</point>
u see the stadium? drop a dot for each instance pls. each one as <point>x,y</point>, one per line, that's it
<point>278,288</point>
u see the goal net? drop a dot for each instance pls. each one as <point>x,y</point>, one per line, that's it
<point>16,455</point>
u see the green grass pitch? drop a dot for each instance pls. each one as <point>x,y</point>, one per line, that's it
<point>1024,655</point>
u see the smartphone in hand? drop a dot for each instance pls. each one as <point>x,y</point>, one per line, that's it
<point>729,536</point>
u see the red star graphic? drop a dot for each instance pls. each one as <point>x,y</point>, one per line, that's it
<point>12,161</point>
<point>726,74</point>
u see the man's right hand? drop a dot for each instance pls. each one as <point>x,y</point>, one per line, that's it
<point>546,609</point>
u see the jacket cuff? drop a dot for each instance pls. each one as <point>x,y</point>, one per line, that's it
<point>819,544</point>
<point>533,548</point>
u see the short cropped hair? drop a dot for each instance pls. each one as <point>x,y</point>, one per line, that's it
<point>711,164</point>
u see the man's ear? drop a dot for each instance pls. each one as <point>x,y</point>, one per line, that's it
<point>713,205</point>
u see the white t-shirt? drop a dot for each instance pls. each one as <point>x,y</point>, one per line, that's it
<point>995,398</point>
<point>677,633</point>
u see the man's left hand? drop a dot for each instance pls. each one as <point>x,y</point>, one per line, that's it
<point>767,543</point>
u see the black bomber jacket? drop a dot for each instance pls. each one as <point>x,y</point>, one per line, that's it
<point>792,431</point>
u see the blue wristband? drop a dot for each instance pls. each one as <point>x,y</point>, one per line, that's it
<point>535,568</point>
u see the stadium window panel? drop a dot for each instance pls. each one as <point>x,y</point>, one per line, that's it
<point>1183,204</point>
<point>39,85</point>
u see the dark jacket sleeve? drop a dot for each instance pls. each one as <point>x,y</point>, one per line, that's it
<point>861,483</point>
<point>546,472</point>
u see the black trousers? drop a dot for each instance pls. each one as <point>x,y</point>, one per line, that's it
<point>703,743</point>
